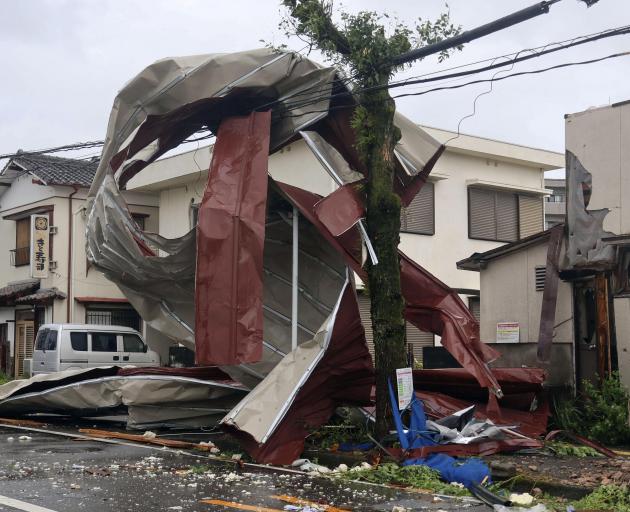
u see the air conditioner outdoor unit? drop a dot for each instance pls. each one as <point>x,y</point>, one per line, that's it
<point>28,367</point>
<point>52,265</point>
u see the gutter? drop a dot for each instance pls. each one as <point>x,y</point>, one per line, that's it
<point>70,232</point>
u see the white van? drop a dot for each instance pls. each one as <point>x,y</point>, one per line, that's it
<point>72,346</point>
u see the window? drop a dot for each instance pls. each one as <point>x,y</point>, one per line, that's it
<point>40,342</point>
<point>78,340</point>
<point>503,216</point>
<point>492,215</point>
<point>194,215</point>
<point>51,340</point>
<point>132,343</point>
<point>113,315</point>
<point>22,254</point>
<point>139,219</point>
<point>419,216</point>
<point>557,196</point>
<point>104,342</point>
<point>474,304</point>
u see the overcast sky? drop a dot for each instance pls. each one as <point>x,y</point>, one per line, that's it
<point>63,61</point>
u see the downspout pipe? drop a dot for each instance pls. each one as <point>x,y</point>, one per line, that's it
<point>75,189</point>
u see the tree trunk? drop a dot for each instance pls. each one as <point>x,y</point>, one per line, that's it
<point>377,137</point>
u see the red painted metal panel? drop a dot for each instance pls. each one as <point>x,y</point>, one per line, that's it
<point>230,239</point>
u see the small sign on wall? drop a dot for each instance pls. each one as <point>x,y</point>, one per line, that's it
<point>40,238</point>
<point>508,332</point>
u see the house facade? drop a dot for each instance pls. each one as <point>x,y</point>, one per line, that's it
<point>591,317</point>
<point>481,194</point>
<point>44,273</point>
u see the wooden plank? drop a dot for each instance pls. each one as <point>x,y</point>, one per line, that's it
<point>137,438</point>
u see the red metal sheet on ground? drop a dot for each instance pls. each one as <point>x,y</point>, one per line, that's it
<point>344,375</point>
<point>230,239</point>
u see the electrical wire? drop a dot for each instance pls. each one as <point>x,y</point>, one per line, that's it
<point>419,79</point>
<point>473,82</point>
<point>624,30</point>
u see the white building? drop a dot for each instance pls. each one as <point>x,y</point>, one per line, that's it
<point>70,291</point>
<point>481,194</point>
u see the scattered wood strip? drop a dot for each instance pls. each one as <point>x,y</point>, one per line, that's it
<point>241,506</point>
<point>301,501</point>
<point>137,438</point>
<point>21,422</point>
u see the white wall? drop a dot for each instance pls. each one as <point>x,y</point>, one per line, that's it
<point>599,138</point>
<point>508,294</point>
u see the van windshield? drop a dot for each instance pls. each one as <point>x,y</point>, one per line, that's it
<point>132,343</point>
<point>51,340</point>
<point>40,343</point>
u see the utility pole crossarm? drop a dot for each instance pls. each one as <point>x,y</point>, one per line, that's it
<point>475,33</point>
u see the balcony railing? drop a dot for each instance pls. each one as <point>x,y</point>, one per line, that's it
<point>20,256</point>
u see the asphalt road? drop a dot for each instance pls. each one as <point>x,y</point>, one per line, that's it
<point>65,475</point>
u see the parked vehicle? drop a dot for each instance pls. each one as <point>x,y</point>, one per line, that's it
<point>72,346</point>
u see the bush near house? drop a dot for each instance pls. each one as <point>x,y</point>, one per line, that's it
<point>4,378</point>
<point>599,413</point>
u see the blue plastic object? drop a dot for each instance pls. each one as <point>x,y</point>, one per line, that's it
<point>355,447</point>
<point>468,472</point>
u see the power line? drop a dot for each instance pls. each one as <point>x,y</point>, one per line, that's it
<point>419,79</point>
<point>473,82</point>
<point>414,81</point>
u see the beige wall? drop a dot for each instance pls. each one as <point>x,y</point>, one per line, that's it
<point>508,294</point>
<point>599,138</point>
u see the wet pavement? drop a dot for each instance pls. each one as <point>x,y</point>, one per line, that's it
<point>65,475</point>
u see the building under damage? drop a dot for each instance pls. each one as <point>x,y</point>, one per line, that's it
<point>568,287</point>
<point>263,289</point>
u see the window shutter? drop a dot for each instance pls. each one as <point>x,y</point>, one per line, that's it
<point>418,339</point>
<point>530,210</point>
<point>481,214</point>
<point>474,304</point>
<point>420,214</point>
<point>507,217</point>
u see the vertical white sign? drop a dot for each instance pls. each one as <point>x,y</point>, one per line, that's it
<point>404,386</point>
<point>40,238</point>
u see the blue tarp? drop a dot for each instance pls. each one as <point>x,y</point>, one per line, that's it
<point>467,472</point>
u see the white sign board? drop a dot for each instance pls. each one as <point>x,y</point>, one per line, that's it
<point>404,385</point>
<point>508,332</point>
<point>40,239</point>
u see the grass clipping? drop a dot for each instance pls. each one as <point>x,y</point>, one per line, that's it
<point>606,497</point>
<point>418,477</point>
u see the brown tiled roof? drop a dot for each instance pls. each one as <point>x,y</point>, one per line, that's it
<point>41,295</point>
<point>15,290</point>
<point>53,170</point>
